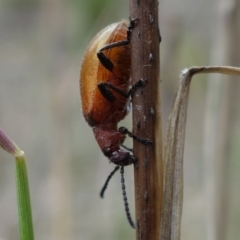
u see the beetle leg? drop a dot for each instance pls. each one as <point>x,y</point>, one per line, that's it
<point>105,61</point>
<point>105,86</point>
<point>133,23</point>
<point>125,131</point>
<point>139,83</point>
<point>127,148</point>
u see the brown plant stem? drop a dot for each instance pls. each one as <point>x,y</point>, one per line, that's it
<point>148,170</point>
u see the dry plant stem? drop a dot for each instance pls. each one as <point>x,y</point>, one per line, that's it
<point>148,170</point>
<point>235,71</point>
<point>173,152</point>
<point>173,159</point>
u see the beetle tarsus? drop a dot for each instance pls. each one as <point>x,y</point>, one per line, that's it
<point>138,84</point>
<point>132,25</point>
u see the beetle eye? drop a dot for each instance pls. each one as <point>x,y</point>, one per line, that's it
<point>106,151</point>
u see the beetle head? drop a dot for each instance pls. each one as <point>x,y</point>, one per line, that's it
<point>122,158</point>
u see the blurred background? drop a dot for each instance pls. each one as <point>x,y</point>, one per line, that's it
<point>42,43</point>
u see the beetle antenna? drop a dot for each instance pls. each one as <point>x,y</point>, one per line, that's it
<point>125,200</point>
<point>107,181</point>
